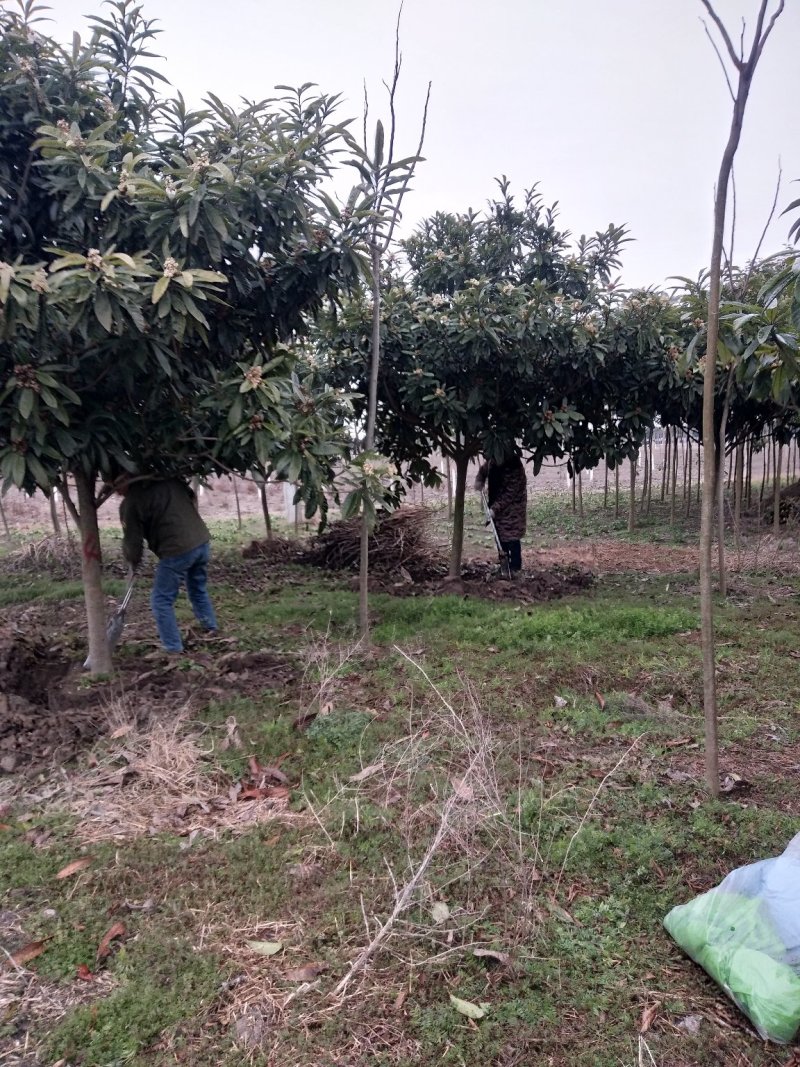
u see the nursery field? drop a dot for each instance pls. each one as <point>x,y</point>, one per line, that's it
<point>455,845</point>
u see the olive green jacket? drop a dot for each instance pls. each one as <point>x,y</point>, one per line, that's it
<point>164,514</point>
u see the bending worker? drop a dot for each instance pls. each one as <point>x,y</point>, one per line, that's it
<point>164,514</point>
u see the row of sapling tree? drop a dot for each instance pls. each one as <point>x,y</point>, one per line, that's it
<point>154,263</point>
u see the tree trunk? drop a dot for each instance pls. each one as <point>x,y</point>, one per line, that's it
<point>776,491</point>
<point>457,548</point>
<point>372,407</point>
<point>650,470</point>
<point>632,500</point>
<point>673,477</point>
<point>262,492</point>
<point>667,464</point>
<point>54,516</point>
<point>616,491</point>
<point>723,428</point>
<point>738,479</point>
<point>745,70</point>
<point>238,505</point>
<point>749,473</point>
<point>92,574</point>
<point>572,486</point>
<point>449,490</point>
<point>685,466</point>
<point>699,472</point>
<point>580,493</point>
<point>689,473</point>
<point>605,484</point>
<point>4,520</point>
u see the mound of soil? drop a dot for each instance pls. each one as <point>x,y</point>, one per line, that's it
<point>481,578</point>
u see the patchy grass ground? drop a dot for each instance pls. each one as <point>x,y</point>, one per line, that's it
<point>498,802</point>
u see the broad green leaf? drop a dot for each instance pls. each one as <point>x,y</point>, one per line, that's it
<point>235,413</point>
<point>160,288</point>
<point>25,403</point>
<point>102,310</point>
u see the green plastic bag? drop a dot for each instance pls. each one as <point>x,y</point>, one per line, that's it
<point>734,938</point>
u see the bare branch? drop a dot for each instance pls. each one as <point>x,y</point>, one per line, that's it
<point>728,256</point>
<point>366,112</point>
<point>392,91</point>
<point>724,33</point>
<point>721,60</point>
<point>752,265</point>
<point>768,31</point>
<point>399,200</point>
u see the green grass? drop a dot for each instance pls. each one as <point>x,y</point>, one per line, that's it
<point>614,858</point>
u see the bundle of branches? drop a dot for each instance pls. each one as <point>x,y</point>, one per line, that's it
<point>399,543</point>
<point>275,550</point>
<point>50,555</point>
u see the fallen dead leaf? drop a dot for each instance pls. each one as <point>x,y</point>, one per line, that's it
<point>307,973</point>
<point>27,953</point>
<point>265,948</point>
<point>648,1017</point>
<point>74,867</point>
<point>121,731</point>
<point>601,700</point>
<point>115,931</point>
<point>84,973</point>
<point>366,772</point>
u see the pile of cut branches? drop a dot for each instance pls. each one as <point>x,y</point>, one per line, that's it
<point>275,550</point>
<point>399,543</point>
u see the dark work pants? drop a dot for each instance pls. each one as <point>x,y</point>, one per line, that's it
<point>514,550</point>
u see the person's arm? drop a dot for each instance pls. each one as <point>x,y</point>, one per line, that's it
<point>481,476</point>
<point>132,533</point>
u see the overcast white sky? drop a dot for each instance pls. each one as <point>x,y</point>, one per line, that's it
<point>617,108</point>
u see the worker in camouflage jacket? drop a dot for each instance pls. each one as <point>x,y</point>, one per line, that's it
<point>507,494</point>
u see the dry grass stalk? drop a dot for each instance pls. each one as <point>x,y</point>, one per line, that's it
<point>157,777</point>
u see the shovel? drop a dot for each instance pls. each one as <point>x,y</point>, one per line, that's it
<point>505,559</point>
<point>116,623</point>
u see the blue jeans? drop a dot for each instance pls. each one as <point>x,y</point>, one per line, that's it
<point>171,573</point>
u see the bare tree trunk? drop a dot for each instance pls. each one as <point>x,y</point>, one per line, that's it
<point>723,429</point>
<point>685,465</point>
<point>238,505</point>
<point>776,491</point>
<point>54,516</point>
<point>674,477</point>
<point>749,473</point>
<point>689,472</point>
<point>745,70</point>
<point>580,493</point>
<point>572,480</point>
<point>92,575</point>
<point>738,486</point>
<point>457,548</point>
<point>4,520</point>
<point>667,464</point>
<point>632,500</point>
<point>650,478</point>
<point>699,472</point>
<point>262,492</point>
<point>645,479</point>
<point>372,406</point>
<point>616,491</point>
<point>449,490</point>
